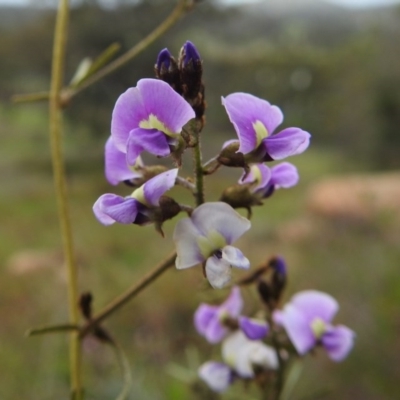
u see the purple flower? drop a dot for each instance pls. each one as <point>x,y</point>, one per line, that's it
<point>149,117</point>
<point>208,319</point>
<point>241,356</point>
<point>116,168</point>
<point>207,237</point>
<point>307,321</point>
<point>266,180</point>
<point>137,208</point>
<point>255,120</point>
<point>218,376</point>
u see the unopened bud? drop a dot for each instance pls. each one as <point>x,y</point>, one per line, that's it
<point>168,208</point>
<point>239,196</point>
<point>191,69</point>
<point>167,70</point>
<point>230,157</point>
<point>279,276</point>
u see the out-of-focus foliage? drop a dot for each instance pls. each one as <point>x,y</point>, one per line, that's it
<point>333,71</point>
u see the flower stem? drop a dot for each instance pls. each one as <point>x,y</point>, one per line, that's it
<point>129,294</point>
<point>176,14</point>
<point>55,127</point>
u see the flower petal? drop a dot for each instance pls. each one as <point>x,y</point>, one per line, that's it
<point>297,327</point>
<point>116,167</point>
<point>110,208</point>
<point>216,331</point>
<point>289,142</point>
<point>203,316</point>
<point>254,329</point>
<point>235,257</point>
<point>260,175</point>
<point>187,249</point>
<point>338,341</point>
<point>151,140</point>
<point>220,217</point>
<point>233,305</point>
<point>218,272</point>
<point>244,110</point>
<point>154,188</point>
<point>315,304</point>
<point>127,114</point>
<point>217,376</point>
<point>163,102</point>
<point>284,175</point>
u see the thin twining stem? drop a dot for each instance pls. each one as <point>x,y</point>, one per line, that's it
<point>55,130</point>
<point>129,294</point>
<point>68,93</point>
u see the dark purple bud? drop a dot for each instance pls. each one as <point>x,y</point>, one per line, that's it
<point>163,59</point>
<point>279,276</point>
<point>190,53</point>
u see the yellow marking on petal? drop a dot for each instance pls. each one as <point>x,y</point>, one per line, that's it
<point>208,245</point>
<point>154,123</point>
<point>138,195</point>
<point>261,131</point>
<point>256,173</point>
<point>318,327</point>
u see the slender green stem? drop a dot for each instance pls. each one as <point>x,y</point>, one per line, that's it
<point>129,294</point>
<point>51,329</point>
<point>281,362</point>
<point>176,14</point>
<point>55,116</point>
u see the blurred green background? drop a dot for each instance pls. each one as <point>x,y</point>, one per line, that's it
<point>335,72</point>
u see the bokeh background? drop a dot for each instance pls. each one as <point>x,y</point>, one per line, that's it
<point>334,71</point>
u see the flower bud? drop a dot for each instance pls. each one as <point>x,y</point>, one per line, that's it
<point>168,209</point>
<point>279,276</point>
<point>231,158</point>
<point>166,69</point>
<point>239,196</point>
<point>191,69</point>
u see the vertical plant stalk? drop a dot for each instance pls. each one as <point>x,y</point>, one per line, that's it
<point>56,123</point>
<point>198,171</point>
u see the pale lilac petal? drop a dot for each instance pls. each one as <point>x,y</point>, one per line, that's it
<point>243,354</point>
<point>127,114</point>
<point>168,106</point>
<point>215,331</point>
<point>289,142</point>
<point>338,341</point>
<point>110,208</point>
<point>244,110</point>
<point>235,257</point>
<point>254,329</point>
<point>259,174</point>
<point>298,328</point>
<point>157,186</point>
<point>222,218</point>
<point>217,376</point>
<point>284,175</point>
<point>233,305</point>
<point>116,167</point>
<point>150,140</point>
<point>218,272</point>
<point>185,238</point>
<point>315,304</point>
<point>203,316</point>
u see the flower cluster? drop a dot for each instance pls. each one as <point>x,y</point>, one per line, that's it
<point>164,117</point>
<point>306,319</point>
